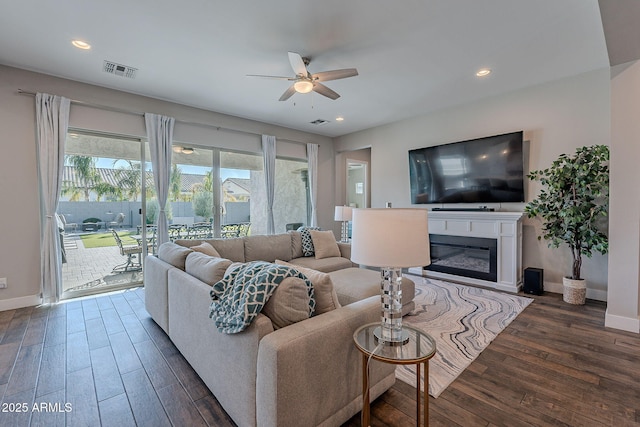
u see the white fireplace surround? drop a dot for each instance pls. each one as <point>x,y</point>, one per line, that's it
<point>505,227</point>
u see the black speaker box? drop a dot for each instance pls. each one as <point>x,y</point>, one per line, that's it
<point>533,281</point>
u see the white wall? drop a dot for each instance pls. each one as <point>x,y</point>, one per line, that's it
<point>20,225</point>
<point>556,117</point>
<point>623,305</point>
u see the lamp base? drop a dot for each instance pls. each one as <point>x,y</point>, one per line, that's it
<point>398,341</point>
<point>344,234</point>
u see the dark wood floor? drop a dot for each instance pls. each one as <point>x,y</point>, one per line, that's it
<point>112,365</point>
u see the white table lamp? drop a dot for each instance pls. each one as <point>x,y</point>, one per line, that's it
<point>343,214</point>
<point>391,239</point>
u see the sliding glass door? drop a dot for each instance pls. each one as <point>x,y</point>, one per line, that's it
<point>99,213</point>
<point>221,193</point>
<point>212,192</point>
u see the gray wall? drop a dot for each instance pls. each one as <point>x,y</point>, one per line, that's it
<point>623,304</point>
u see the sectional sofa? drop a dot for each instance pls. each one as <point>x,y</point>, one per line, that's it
<point>304,373</point>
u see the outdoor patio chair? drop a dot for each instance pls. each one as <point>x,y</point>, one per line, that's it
<point>177,231</point>
<point>129,251</point>
<point>244,229</point>
<point>200,231</point>
<point>227,231</point>
<point>71,225</point>
<point>117,221</point>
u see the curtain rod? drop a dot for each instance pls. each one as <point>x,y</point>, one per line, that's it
<point>138,113</point>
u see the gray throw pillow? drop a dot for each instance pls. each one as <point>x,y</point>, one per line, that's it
<point>288,304</point>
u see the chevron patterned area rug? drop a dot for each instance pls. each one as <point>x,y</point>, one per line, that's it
<point>463,320</point>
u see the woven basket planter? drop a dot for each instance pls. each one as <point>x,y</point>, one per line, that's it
<point>574,291</point>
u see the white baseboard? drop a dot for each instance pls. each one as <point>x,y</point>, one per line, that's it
<point>624,323</point>
<point>13,303</point>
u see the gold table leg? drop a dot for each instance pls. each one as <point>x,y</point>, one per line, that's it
<point>426,393</point>
<point>366,408</point>
<point>418,394</point>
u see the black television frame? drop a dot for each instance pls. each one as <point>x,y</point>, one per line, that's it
<point>505,187</point>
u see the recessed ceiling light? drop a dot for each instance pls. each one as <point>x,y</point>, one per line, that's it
<point>483,72</point>
<point>81,44</point>
<point>339,119</point>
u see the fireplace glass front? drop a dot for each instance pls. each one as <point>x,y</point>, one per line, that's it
<point>464,256</point>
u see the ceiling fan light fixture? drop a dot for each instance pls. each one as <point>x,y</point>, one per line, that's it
<point>303,86</point>
<point>182,150</point>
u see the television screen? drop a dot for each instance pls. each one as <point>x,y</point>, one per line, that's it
<point>483,170</point>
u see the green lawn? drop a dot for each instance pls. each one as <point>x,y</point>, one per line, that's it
<point>103,240</point>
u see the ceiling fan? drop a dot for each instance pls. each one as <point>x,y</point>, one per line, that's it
<point>305,82</point>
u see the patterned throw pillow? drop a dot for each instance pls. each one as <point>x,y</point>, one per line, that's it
<point>245,290</point>
<point>307,242</point>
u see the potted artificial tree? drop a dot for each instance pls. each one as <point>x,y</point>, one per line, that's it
<point>572,205</point>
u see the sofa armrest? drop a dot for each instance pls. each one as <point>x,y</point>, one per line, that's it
<point>156,291</point>
<point>345,250</point>
<point>310,371</point>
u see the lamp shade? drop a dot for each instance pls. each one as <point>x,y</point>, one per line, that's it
<point>343,213</point>
<point>390,237</point>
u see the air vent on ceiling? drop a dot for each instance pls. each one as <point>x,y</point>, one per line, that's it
<point>120,70</point>
<point>319,122</point>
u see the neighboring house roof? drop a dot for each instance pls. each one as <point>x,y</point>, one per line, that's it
<point>189,180</point>
<point>70,178</point>
<point>238,186</point>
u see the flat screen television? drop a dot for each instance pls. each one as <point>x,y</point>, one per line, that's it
<point>483,170</point>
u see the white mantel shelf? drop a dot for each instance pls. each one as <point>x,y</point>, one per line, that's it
<point>505,227</point>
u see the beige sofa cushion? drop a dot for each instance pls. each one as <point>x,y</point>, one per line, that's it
<point>324,244</point>
<point>206,268</point>
<point>288,304</point>
<point>325,296</point>
<point>296,244</point>
<point>232,249</point>
<point>173,254</point>
<point>325,265</point>
<point>206,249</point>
<point>267,247</point>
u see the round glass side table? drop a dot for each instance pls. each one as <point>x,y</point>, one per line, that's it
<point>418,351</point>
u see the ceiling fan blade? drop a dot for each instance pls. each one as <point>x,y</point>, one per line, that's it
<point>298,64</point>
<point>323,90</point>
<point>287,93</point>
<point>271,77</point>
<point>325,76</point>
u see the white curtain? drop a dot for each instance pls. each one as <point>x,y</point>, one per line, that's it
<point>312,158</point>
<point>52,121</point>
<point>269,157</point>
<point>160,135</point>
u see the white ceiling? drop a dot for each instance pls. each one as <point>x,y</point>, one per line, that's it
<point>413,56</point>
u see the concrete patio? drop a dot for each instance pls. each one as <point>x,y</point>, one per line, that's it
<point>90,270</point>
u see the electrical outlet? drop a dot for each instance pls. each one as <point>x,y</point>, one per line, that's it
<point>3,282</point>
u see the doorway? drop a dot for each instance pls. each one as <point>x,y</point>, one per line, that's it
<point>357,183</point>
